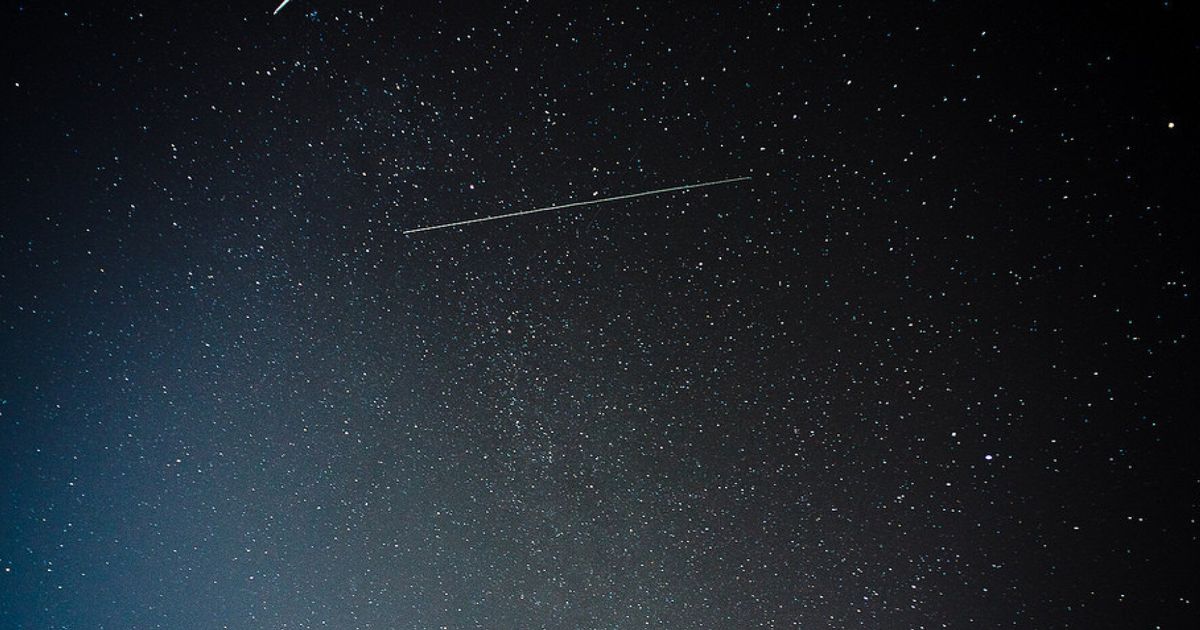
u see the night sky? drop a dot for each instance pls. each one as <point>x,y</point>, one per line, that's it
<point>932,366</point>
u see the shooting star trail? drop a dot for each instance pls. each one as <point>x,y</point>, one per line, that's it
<point>280,7</point>
<point>586,202</point>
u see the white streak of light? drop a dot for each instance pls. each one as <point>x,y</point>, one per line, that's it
<point>573,204</point>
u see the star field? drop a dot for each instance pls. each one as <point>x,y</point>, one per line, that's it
<point>930,367</point>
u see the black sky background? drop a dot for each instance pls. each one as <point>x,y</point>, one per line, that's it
<point>932,366</point>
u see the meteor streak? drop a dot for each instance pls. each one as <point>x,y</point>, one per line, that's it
<point>280,7</point>
<point>586,202</point>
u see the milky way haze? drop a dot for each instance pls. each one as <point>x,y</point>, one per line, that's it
<point>932,365</point>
